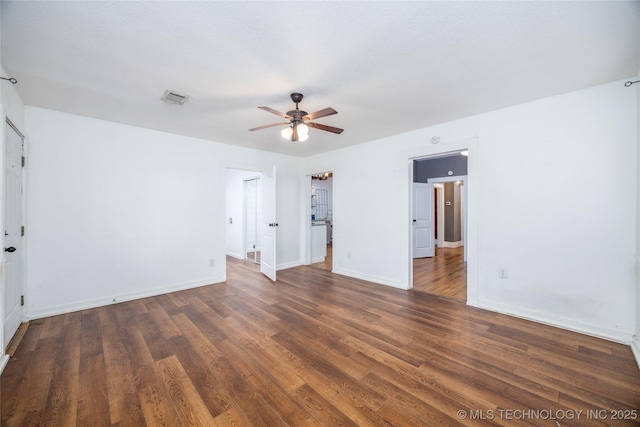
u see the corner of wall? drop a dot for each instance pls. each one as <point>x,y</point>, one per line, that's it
<point>635,348</point>
<point>4,359</point>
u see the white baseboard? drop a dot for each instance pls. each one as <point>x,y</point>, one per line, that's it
<point>568,324</point>
<point>286,265</point>
<point>374,279</point>
<point>4,359</point>
<point>457,244</point>
<point>235,255</point>
<point>635,348</point>
<point>115,299</point>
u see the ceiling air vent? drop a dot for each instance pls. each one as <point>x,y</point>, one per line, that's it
<point>173,97</point>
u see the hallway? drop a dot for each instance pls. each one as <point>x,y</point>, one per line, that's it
<point>443,275</point>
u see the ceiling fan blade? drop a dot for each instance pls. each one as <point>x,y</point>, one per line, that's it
<point>271,110</point>
<point>269,126</point>
<point>321,113</point>
<point>325,127</point>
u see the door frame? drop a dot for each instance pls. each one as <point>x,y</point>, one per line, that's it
<point>463,207</point>
<point>261,172</point>
<point>256,178</point>
<point>472,186</point>
<point>7,123</point>
<point>308,183</point>
<point>439,190</point>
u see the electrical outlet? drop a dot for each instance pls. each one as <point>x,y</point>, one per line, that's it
<point>212,262</point>
<point>502,273</point>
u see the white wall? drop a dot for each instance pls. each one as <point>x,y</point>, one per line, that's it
<point>117,212</point>
<point>552,198</point>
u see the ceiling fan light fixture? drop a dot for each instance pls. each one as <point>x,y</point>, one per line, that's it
<point>297,128</point>
<point>303,130</point>
<point>287,132</point>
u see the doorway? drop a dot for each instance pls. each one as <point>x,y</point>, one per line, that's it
<point>442,270</point>
<point>250,217</point>
<point>320,251</point>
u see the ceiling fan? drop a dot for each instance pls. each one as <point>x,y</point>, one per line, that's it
<point>300,121</point>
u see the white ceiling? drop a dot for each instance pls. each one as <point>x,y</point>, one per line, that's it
<point>386,67</point>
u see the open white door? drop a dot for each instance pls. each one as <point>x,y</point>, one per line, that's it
<point>423,224</point>
<point>269,226</point>
<point>12,234</point>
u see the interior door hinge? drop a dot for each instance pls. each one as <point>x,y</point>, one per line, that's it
<point>24,161</point>
<point>21,300</point>
<point>22,230</point>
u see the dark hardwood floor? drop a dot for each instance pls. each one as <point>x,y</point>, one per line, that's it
<point>444,274</point>
<point>313,349</point>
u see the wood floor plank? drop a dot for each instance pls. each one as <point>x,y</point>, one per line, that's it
<point>91,334</point>
<point>198,340</point>
<point>311,349</point>
<point>157,407</point>
<point>184,396</point>
<point>124,405</point>
<point>231,418</point>
<point>93,398</point>
<point>409,405</point>
<point>62,406</point>
<point>52,326</point>
<point>441,394</point>
<point>269,355</point>
<point>267,386</point>
<point>324,412</point>
<point>25,391</point>
<point>351,387</point>
<point>162,318</point>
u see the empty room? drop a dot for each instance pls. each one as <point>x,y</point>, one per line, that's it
<point>372,213</point>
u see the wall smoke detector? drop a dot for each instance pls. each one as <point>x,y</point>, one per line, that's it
<point>173,97</point>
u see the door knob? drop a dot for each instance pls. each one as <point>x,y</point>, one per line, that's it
<point>10,249</point>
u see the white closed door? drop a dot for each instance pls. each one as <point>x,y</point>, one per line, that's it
<point>269,226</point>
<point>12,234</point>
<point>423,221</point>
